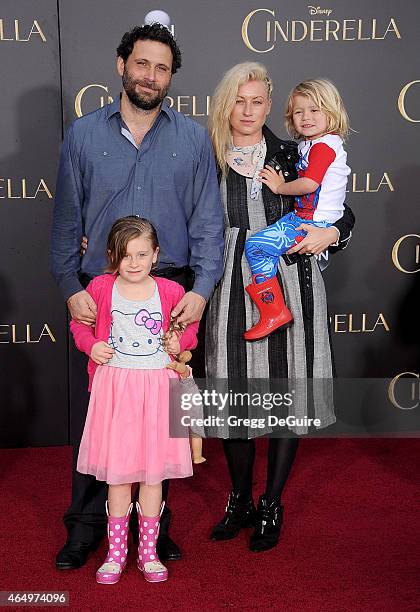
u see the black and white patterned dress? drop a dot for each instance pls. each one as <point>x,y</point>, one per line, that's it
<point>303,351</point>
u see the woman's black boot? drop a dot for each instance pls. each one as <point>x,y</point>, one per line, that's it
<point>240,513</point>
<point>267,525</point>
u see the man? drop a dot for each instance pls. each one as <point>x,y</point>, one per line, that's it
<point>134,156</point>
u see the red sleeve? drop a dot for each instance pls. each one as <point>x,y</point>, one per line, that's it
<point>321,156</point>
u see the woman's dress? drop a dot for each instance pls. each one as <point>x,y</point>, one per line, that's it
<point>297,354</point>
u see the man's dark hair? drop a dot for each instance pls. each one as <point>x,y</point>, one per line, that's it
<point>156,32</point>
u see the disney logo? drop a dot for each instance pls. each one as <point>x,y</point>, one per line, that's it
<point>317,10</point>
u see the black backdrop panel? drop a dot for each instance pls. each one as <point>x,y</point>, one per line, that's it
<point>33,328</point>
<point>368,49</point>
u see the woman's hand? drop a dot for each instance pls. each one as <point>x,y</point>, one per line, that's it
<point>101,352</point>
<point>83,245</point>
<point>317,240</point>
<point>270,177</point>
<point>172,345</point>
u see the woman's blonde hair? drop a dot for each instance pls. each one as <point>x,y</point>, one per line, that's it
<point>223,102</point>
<point>324,94</point>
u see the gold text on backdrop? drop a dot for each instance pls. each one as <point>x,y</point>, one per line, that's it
<point>365,183</point>
<point>16,189</point>
<point>401,102</point>
<point>395,255</point>
<point>80,94</point>
<point>9,32</point>
<point>349,323</point>
<point>194,106</point>
<point>23,334</point>
<point>415,391</point>
<point>315,30</point>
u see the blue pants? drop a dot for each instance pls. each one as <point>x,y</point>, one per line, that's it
<point>264,248</point>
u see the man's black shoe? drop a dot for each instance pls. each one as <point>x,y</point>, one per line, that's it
<point>240,513</point>
<point>74,555</point>
<point>166,548</point>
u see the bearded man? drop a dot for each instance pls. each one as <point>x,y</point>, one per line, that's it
<point>135,156</point>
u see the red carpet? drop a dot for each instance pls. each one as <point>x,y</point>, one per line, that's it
<point>350,538</point>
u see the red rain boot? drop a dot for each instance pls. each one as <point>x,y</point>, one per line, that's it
<point>274,314</point>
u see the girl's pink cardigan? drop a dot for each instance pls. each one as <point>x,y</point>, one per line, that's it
<point>100,288</point>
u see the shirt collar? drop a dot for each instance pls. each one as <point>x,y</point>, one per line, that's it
<point>115,108</point>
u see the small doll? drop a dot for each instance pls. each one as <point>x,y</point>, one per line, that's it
<point>179,364</point>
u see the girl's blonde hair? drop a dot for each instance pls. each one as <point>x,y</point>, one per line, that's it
<point>324,94</point>
<point>223,102</point>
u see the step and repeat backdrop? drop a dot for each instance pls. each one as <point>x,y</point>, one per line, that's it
<point>57,62</point>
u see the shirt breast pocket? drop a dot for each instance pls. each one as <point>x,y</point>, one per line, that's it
<point>110,172</point>
<point>170,171</point>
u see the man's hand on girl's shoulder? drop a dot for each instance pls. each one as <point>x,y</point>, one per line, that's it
<point>190,308</point>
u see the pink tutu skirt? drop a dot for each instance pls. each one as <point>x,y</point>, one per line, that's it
<point>126,435</point>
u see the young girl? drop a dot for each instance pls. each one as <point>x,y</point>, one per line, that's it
<point>126,436</point>
<point>315,114</point>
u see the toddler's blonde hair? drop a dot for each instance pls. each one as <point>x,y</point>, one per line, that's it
<point>324,94</point>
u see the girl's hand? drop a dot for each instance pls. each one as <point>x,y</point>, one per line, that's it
<point>270,177</point>
<point>172,345</point>
<point>101,352</point>
<point>317,240</point>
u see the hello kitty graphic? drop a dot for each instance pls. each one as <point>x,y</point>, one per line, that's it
<point>136,334</point>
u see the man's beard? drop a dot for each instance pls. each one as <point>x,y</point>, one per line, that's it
<point>142,101</point>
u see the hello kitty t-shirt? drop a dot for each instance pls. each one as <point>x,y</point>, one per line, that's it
<point>136,333</point>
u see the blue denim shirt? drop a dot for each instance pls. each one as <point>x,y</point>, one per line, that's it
<point>170,180</point>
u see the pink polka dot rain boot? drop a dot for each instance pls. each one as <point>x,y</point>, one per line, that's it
<point>148,561</point>
<point>116,559</point>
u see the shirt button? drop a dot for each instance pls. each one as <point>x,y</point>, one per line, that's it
<point>138,188</point>
<point>105,152</point>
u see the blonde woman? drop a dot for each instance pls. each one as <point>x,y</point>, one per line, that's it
<point>243,146</point>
